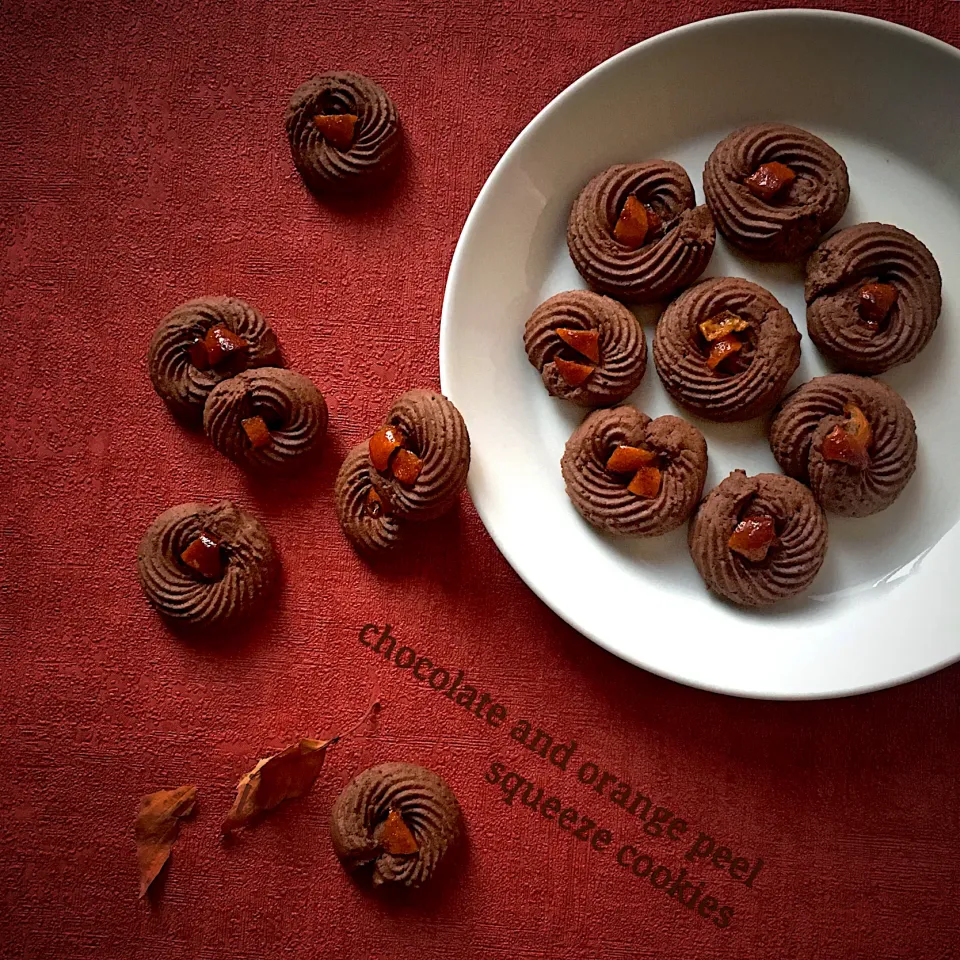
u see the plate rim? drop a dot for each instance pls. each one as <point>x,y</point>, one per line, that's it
<point>457,265</point>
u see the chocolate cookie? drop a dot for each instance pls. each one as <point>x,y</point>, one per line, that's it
<point>343,132</point>
<point>588,349</point>
<point>632,476</point>
<point>851,439</point>
<point>421,456</point>
<point>269,419</point>
<point>757,540</point>
<point>726,348</point>
<point>391,808</point>
<point>360,509</point>
<point>181,366</point>
<point>636,233</point>
<point>873,297</point>
<point>206,565</point>
<point>774,190</point>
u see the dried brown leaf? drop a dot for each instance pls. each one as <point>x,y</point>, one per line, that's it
<point>283,776</point>
<point>156,829</point>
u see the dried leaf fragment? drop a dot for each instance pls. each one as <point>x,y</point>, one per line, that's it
<point>284,776</point>
<point>156,829</point>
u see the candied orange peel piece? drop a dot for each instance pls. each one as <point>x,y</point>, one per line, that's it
<point>849,442</point>
<point>646,482</point>
<point>585,342</point>
<point>721,349</point>
<point>753,537</point>
<point>406,467</point>
<point>572,372</point>
<point>633,223</point>
<point>627,459</point>
<point>337,128</point>
<point>203,555</point>
<point>875,301</point>
<point>721,325</point>
<point>395,836</point>
<point>257,431</point>
<point>383,445</point>
<point>769,179</point>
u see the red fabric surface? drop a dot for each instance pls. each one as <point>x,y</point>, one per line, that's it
<point>144,163</point>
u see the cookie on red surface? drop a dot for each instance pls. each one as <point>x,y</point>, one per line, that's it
<point>636,233</point>
<point>343,131</point>
<point>726,348</point>
<point>206,565</point>
<point>758,540</point>
<point>873,297</point>
<point>774,189</point>
<point>361,511</point>
<point>420,456</point>
<point>629,475</point>
<point>851,439</point>
<point>266,419</point>
<point>588,349</point>
<point>202,342</point>
<point>398,820</point>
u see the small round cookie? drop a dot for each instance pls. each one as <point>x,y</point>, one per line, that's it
<point>397,818</point>
<point>757,540</point>
<point>588,349</point>
<point>360,509</point>
<point>421,456</point>
<point>206,565</point>
<point>726,348</point>
<point>629,475</point>
<point>851,439</point>
<point>873,297</point>
<point>774,190</point>
<point>180,363</point>
<point>636,233</point>
<point>343,131</point>
<point>267,419</point>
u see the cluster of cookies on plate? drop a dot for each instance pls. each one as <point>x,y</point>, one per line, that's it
<point>725,349</point>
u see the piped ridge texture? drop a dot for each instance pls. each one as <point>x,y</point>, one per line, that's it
<point>623,348</point>
<point>790,566</point>
<point>755,379</point>
<point>250,564</point>
<point>658,268</point>
<point>370,532</point>
<point>427,806</point>
<point>436,433</point>
<point>813,410</point>
<point>790,224</point>
<point>863,254</point>
<point>602,498</point>
<point>376,143</point>
<point>290,404</point>
<point>184,387</point>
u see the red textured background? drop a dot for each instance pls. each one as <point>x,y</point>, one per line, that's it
<point>143,162</point>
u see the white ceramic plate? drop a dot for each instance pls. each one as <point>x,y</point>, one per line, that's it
<point>886,605</point>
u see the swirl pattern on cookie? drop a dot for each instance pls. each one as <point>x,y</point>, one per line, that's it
<point>424,801</point>
<point>751,381</point>
<point>435,433</point>
<point>603,498</point>
<point>788,224</point>
<point>375,144</point>
<point>814,411</point>
<point>841,268</point>
<point>673,257</point>
<point>182,385</point>
<point>290,407</point>
<point>794,558</point>
<point>363,517</point>
<point>249,564</point>
<point>622,348</point>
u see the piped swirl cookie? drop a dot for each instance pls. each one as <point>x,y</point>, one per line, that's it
<point>398,819</point>
<point>420,456</point>
<point>757,540</point>
<point>636,233</point>
<point>629,475</point>
<point>206,564</point>
<point>774,190</point>
<point>588,349</point>
<point>343,131</point>
<point>360,509</point>
<point>873,297</point>
<point>851,439</point>
<point>267,419</point>
<point>726,348</point>
<point>202,342</point>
